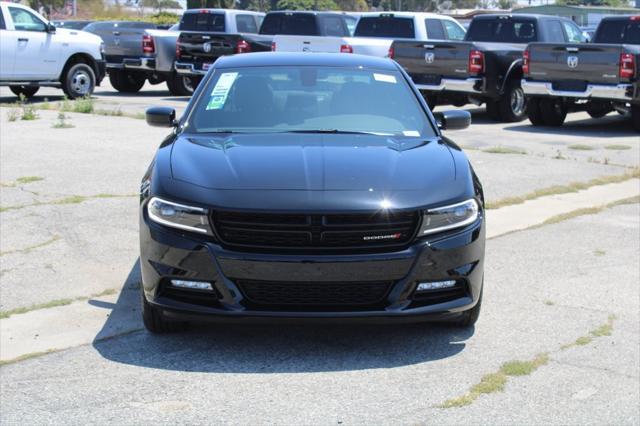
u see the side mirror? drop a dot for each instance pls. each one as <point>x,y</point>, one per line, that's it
<point>161,117</point>
<point>50,28</point>
<point>454,119</point>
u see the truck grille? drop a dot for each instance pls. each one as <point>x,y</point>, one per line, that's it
<point>314,295</point>
<point>379,230</point>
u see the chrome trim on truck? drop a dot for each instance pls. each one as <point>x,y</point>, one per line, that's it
<point>188,69</point>
<point>469,85</point>
<point>618,92</point>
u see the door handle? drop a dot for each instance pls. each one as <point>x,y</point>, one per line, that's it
<point>23,39</point>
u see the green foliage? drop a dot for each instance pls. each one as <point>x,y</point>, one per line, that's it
<point>307,5</point>
<point>613,3</point>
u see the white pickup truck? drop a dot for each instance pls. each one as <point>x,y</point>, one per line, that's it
<point>375,32</point>
<point>34,53</point>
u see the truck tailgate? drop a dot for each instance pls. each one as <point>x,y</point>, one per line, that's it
<point>291,43</point>
<point>204,46</point>
<point>427,62</point>
<point>570,66</point>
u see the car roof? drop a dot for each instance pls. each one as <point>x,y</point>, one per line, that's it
<point>265,59</point>
<point>419,15</point>
<point>513,15</point>
<point>218,10</point>
<point>306,12</point>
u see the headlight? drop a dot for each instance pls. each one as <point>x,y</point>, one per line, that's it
<point>449,217</point>
<point>178,216</point>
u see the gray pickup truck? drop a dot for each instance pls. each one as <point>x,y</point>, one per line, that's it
<point>598,77</point>
<point>484,68</point>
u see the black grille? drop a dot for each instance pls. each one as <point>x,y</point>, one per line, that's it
<point>570,85</point>
<point>378,230</point>
<point>309,295</point>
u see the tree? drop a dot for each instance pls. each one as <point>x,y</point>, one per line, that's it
<point>613,3</point>
<point>306,5</point>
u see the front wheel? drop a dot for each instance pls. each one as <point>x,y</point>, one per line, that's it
<point>79,81</point>
<point>153,319</point>
<point>26,91</point>
<point>512,104</point>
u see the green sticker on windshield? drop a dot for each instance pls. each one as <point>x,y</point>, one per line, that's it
<point>221,90</point>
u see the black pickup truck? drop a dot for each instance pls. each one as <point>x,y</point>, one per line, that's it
<point>484,68</point>
<point>196,51</point>
<point>598,77</point>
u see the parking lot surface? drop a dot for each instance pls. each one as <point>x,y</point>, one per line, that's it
<point>68,200</point>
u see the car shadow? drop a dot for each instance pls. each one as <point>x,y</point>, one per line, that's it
<point>266,349</point>
<point>610,126</point>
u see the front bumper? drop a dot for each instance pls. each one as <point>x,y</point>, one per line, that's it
<point>167,254</point>
<point>468,85</point>
<point>618,92</point>
<point>185,68</point>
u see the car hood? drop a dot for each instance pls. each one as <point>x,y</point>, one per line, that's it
<point>311,162</point>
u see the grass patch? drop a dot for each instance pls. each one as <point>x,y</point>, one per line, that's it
<point>504,150</point>
<point>33,247</point>
<point>599,252</point>
<point>72,199</point>
<point>116,112</point>
<point>564,189</point>
<point>13,114</point>
<point>84,105</point>
<point>549,302</point>
<point>29,179</point>
<point>28,356</point>
<point>523,368</point>
<point>617,147</point>
<point>53,304</point>
<point>581,147</point>
<point>62,122</point>
<point>29,112</point>
<point>603,330</point>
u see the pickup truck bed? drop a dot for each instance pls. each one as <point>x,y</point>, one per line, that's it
<point>597,77</point>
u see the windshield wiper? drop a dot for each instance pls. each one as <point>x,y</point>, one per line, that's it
<point>331,131</point>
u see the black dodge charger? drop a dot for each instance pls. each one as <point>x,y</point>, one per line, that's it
<point>315,186</point>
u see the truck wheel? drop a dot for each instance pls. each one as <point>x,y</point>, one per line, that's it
<point>512,104</point>
<point>553,112</point>
<point>181,85</point>
<point>598,110</point>
<point>534,113</point>
<point>78,81</point>
<point>635,117</point>
<point>154,321</point>
<point>126,82</point>
<point>26,91</point>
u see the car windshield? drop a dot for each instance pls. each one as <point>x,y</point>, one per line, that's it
<point>619,31</point>
<point>503,29</point>
<point>385,27</point>
<point>309,99</point>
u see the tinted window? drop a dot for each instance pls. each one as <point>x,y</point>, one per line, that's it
<point>333,26</point>
<point>2,25</point>
<point>289,98</point>
<point>574,35</point>
<point>385,27</point>
<point>434,29</point>
<point>246,24</point>
<point>554,32</point>
<point>202,22</point>
<point>506,30</point>
<point>453,30</point>
<point>289,23</point>
<point>24,20</point>
<point>618,31</point>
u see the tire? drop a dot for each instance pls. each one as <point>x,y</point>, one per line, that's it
<point>78,81</point>
<point>512,105</point>
<point>635,117</point>
<point>180,85</point>
<point>153,320</point>
<point>126,82</point>
<point>553,112</point>
<point>492,110</point>
<point>470,317</point>
<point>26,91</point>
<point>598,110</point>
<point>534,113</point>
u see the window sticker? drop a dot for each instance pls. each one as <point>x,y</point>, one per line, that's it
<point>221,90</point>
<point>411,133</point>
<point>384,77</point>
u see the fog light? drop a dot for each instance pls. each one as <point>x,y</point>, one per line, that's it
<point>435,285</point>
<point>192,285</point>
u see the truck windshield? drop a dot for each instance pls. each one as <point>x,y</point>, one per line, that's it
<point>503,30</point>
<point>308,99</point>
<point>385,27</point>
<point>617,31</point>
<point>202,21</point>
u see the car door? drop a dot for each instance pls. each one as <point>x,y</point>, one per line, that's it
<point>7,48</point>
<point>36,51</point>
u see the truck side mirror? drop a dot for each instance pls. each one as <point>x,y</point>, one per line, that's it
<point>454,119</point>
<point>50,28</point>
<point>161,117</point>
